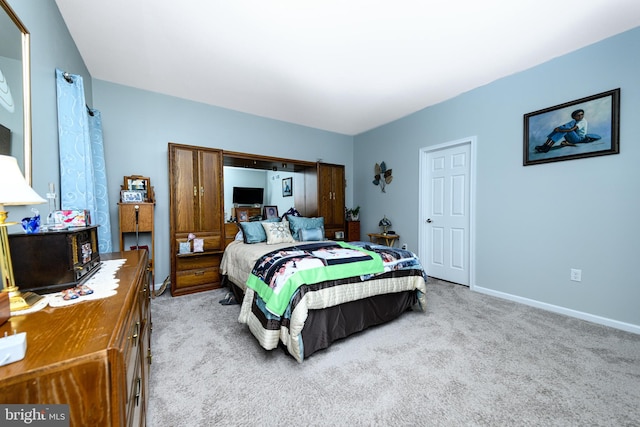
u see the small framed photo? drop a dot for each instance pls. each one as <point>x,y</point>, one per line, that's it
<point>287,187</point>
<point>243,215</point>
<point>184,248</point>
<point>270,212</point>
<point>586,127</point>
<point>132,196</point>
<point>138,183</point>
<point>198,245</point>
<point>339,235</point>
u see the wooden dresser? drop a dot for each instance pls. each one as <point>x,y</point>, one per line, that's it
<point>94,355</point>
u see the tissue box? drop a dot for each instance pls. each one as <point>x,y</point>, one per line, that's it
<point>73,218</point>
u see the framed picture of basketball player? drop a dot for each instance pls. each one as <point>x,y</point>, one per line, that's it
<point>586,127</point>
<point>287,187</point>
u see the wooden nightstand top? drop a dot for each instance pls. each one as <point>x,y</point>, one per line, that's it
<point>386,239</point>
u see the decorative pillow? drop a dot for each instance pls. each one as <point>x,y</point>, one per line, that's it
<point>277,232</point>
<point>311,234</point>
<point>298,223</point>
<point>253,232</point>
<point>291,211</point>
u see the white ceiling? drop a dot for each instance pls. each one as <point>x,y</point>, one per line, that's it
<point>340,65</point>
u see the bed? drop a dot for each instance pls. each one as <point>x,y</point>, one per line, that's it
<point>329,291</point>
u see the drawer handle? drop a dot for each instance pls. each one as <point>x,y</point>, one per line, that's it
<point>138,390</point>
<point>199,273</point>
<point>136,333</point>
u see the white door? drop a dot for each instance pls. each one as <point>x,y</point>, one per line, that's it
<point>445,211</point>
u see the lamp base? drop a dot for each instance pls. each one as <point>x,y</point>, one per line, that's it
<point>19,301</point>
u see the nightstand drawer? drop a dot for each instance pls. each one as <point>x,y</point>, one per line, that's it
<point>197,261</point>
<point>201,276</point>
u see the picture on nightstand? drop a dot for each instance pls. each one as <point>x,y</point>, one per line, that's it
<point>139,183</point>
<point>270,212</point>
<point>243,215</point>
<point>132,196</point>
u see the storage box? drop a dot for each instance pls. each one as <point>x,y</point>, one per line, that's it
<point>73,218</point>
<point>53,261</point>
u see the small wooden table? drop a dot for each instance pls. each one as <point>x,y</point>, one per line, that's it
<point>383,239</point>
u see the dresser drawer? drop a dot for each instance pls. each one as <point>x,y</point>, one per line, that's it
<point>132,348</point>
<point>135,397</point>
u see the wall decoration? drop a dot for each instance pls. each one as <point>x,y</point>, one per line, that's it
<point>287,187</point>
<point>586,127</point>
<point>382,176</point>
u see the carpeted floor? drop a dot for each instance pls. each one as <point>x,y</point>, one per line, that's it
<point>470,360</point>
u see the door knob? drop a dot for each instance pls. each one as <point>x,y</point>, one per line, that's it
<point>429,221</point>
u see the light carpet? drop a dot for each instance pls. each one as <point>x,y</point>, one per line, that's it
<point>470,360</point>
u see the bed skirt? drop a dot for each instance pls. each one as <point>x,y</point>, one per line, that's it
<point>313,329</point>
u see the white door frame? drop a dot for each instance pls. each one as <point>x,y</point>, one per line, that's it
<point>422,197</point>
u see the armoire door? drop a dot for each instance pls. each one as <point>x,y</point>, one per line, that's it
<point>210,197</point>
<point>331,183</point>
<point>184,189</point>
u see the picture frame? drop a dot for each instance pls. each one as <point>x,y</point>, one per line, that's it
<point>138,183</point>
<point>561,132</point>
<point>287,187</point>
<point>242,214</point>
<point>270,212</point>
<point>132,196</point>
<point>184,248</point>
<point>339,235</point>
<point>198,245</point>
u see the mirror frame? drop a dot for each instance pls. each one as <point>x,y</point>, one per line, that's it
<point>26,88</point>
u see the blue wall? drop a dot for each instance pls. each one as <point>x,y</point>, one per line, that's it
<point>533,223</point>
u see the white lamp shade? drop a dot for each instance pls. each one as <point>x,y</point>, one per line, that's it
<point>14,189</point>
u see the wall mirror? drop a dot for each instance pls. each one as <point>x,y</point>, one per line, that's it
<point>15,89</point>
<point>250,170</point>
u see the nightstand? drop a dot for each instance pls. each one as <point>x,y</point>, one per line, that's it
<point>353,231</point>
<point>145,221</point>
<point>383,239</point>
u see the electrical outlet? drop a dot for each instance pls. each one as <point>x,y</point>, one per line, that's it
<point>576,275</point>
<point>404,246</point>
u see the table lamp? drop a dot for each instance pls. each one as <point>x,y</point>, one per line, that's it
<point>14,190</point>
<point>385,224</point>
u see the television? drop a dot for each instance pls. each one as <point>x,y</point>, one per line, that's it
<point>248,195</point>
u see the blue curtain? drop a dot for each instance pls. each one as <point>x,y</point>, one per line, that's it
<point>83,174</point>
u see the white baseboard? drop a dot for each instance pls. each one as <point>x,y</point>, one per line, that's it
<point>628,327</point>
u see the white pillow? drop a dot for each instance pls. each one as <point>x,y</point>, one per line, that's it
<point>277,232</point>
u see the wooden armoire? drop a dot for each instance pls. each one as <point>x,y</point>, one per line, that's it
<point>195,203</point>
<point>331,189</point>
